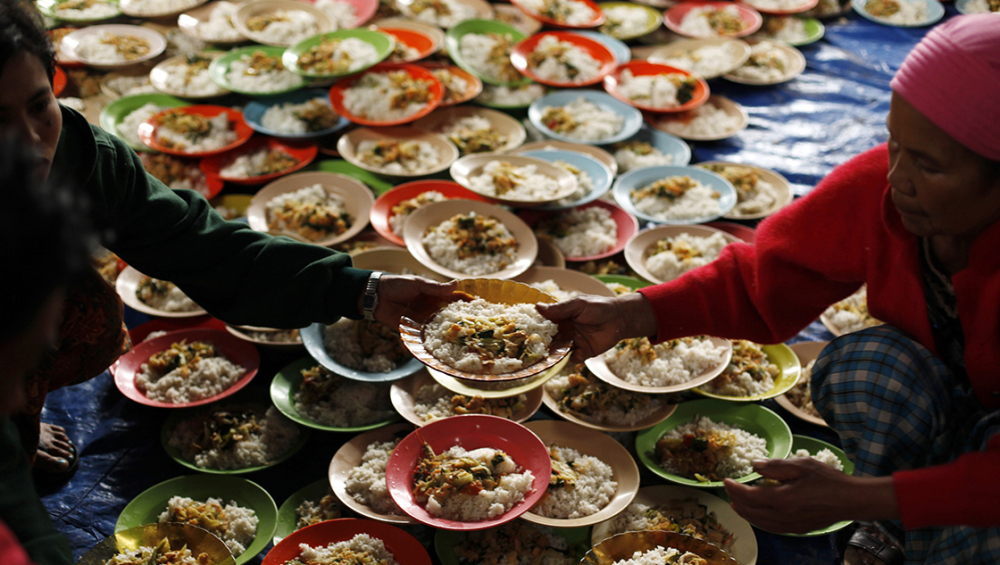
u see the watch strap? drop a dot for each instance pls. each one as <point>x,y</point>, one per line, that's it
<point>370,300</point>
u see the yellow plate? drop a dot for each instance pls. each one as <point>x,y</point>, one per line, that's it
<point>787,363</point>
<point>806,351</point>
<point>179,535</point>
<point>623,546</point>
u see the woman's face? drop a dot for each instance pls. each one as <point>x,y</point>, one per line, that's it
<point>29,110</point>
<point>939,186</point>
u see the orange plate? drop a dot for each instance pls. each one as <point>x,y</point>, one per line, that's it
<point>645,68</point>
<point>147,129</point>
<point>405,547</point>
<point>672,18</point>
<point>410,38</point>
<point>58,81</point>
<point>304,154</point>
<point>213,185</point>
<point>598,19</point>
<point>519,56</point>
<point>437,93</point>
<point>382,209</point>
<point>473,90</point>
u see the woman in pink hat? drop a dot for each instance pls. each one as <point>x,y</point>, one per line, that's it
<point>916,401</point>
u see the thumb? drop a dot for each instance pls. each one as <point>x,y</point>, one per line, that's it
<point>561,311</point>
<point>778,469</point>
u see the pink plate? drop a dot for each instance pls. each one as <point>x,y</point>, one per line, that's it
<point>672,18</point>
<point>402,545</point>
<point>519,56</point>
<point>382,209</point>
<point>645,68</point>
<point>363,10</point>
<point>627,226</point>
<point>596,21</point>
<point>804,7</point>
<point>470,432</point>
<point>304,154</point>
<point>435,88</point>
<point>237,351</point>
<point>147,129</point>
<point>139,333</point>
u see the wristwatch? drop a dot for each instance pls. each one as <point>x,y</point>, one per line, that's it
<point>370,300</point>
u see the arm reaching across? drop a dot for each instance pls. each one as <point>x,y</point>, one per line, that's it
<point>600,322</point>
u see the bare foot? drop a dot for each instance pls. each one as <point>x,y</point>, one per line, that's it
<point>55,451</point>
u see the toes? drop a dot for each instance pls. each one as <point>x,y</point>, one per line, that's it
<point>49,463</point>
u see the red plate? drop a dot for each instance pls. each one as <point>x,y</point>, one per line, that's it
<point>436,90</point>
<point>404,547</point>
<point>413,39</point>
<point>139,333</point>
<point>382,209</point>
<point>304,154</point>
<point>627,225</point>
<point>147,129</point>
<point>58,81</point>
<point>804,7</point>
<point>672,18</point>
<point>645,68</point>
<point>745,233</point>
<point>471,431</point>
<point>475,86</point>
<point>519,56</point>
<point>213,185</point>
<point>236,350</point>
<point>598,19</point>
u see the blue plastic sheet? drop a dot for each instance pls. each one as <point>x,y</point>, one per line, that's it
<point>802,129</point>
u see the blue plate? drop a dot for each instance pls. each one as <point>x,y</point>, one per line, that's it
<point>617,46</point>
<point>641,177</point>
<point>935,11</point>
<point>253,113</point>
<point>598,172</point>
<point>312,338</point>
<point>632,116</point>
<point>666,143</point>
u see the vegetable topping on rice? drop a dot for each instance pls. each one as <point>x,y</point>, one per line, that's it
<point>181,355</point>
<point>236,526</point>
<point>129,46</point>
<point>670,188</point>
<point>475,234</point>
<point>749,372</point>
<point>337,56</point>
<point>753,194</point>
<point>697,453</point>
<point>882,8</point>
<point>310,212</point>
<point>687,516</point>
<point>474,134</point>
<point>315,511</point>
<point>261,63</point>
<point>161,554</point>
<point>579,393</point>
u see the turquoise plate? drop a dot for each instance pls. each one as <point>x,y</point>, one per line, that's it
<point>638,178</point>
<point>935,11</point>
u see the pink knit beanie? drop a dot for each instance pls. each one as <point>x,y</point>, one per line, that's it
<point>952,77</point>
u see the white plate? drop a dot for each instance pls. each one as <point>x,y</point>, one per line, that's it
<point>739,49</point>
<point>403,395</point>
<point>348,144</point>
<point>70,43</point>
<point>782,188</point>
<point>637,248</point>
<point>464,169</point>
<point>126,285</point>
<point>261,7</point>
<point>158,77</point>
<point>796,65</point>
<point>663,122</point>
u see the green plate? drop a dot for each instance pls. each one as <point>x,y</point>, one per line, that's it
<point>654,19</point>
<point>445,541</point>
<point>814,446</point>
<point>146,508</point>
<point>287,382</point>
<point>219,67</point>
<point>631,282</point>
<point>454,38</point>
<point>787,362</point>
<point>287,518</point>
<point>752,418</point>
<point>48,7</point>
<point>116,112</point>
<point>382,42</point>
<point>343,167</point>
<point>175,454</point>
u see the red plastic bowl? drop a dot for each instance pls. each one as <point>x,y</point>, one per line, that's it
<point>598,19</point>
<point>626,223</point>
<point>304,154</point>
<point>234,349</point>
<point>404,547</point>
<point>645,68</point>
<point>471,431</point>
<point>417,72</point>
<point>147,129</point>
<point>804,7</point>
<point>519,56</point>
<point>672,18</point>
<point>58,81</point>
<point>382,209</point>
<point>413,39</point>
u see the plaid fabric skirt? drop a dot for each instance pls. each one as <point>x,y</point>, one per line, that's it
<point>896,406</point>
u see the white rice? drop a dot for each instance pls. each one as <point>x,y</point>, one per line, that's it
<point>695,251</point>
<point>527,184</point>
<point>590,122</point>
<point>92,48</point>
<point>452,14</point>
<point>697,202</point>
<point>219,25</point>
<point>657,91</point>
<point>220,135</point>
<point>445,252</point>
<point>174,301</point>
<point>823,456</point>
<point>366,482</point>
<point>695,22</point>
<point>760,197</point>
<point>455,87</point>
<point>784,28</point>
<point>511,95</point>
<point>208,378</point>
<point>283,118</point>
<point>433,401</point>
<point>707,120</point>
<point>248,165</point>
<point>911,12</point>
<point>745,448</point>
<point>342,15</point>
<point>357,53</point>
<point>276,436</point>
<point>314,194</point>
<point>571,12</point>
<point>197,83</point>
<point>625,22</point>
<point>96,11</point>
<point>142,7</point>
<point>776,5</point>
<point>686,516</point>
<point>343,341</point>
<point>349,405</point>
<point>362,548</point>
<point>398,219</point>
<point>758,379</point>
<point>851,314</point>
<point>476,48</point>
<point>600,403</point>
<point>128,128</point>
<point>539,329</point>
<point>980,7</point>
<point>474,134</point>
<point>705,62</point>
<point>657,556</point>
<point>554,290</point>
<point>675,362</point>
<point>145,553</point>
<point>588,231</point>
<point>277,80</point>
<point>593,490</point>
<point>295,26</point>
<point>240,527</point>
<point>371,97</point>
<point>427,157</point>
<point>767,62</point>
<point>584,183</point>
<point>562,61</point>
<point>126,85</point>
<point>627,158</point>
<point>486,504</point>
<point>801,395</point>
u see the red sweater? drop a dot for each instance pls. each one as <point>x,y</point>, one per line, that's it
<point>819,250</point>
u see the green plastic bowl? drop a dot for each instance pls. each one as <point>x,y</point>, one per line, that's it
<point>382,42</point>
<point>654,19</point>
<point>219,67</point>
<point>287,518</point>
<point>48,7</point>
<point>453,42</point>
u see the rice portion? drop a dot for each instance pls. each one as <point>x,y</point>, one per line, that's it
<point>309,116</point>
<point>365,346</point>
<point>126,85</point>
<point>237,527</point>
<point>562,61</point>
<point>338,56</point>
<point>568,12</point>
<point>395,157</point>
<point>315,511</point>
<point>145,553</point>
<point>128,128</point>
<point>783,28</point>
<point>264,161</point>
<point>515,543</point>
<point>190,139</point>
<point>511,95</point>
<point>579,393</point>
<point>432,402</point>
<point>190,77</point>
<point>686,516</point>
<point>554,290</point>
<point>580,232</point>
<point>85,10</point>
<point>108,48</point>
<point>630,155</point>
<point>201,374</point>
<point>311,211</point>
<point>454,85</point>
<point>667,90</point>
<point>672,257</point>
<point>501,179</point>
<point>164,295</point>
<point>388,96</point>
<point>677,198</point>
<point>489,55</point>
<point>471,244</point>
<point>851,314</point>
<point>525,334</point>
<point>712,22</point>
<point>261,73</point>
<point>362,548</point>
<point>750,372</point>
<point>669,363</point>
<point>801,395</point>
<point>284,27</point>
<point>982,6</point>
<point>366,482</point>
<point>823,456</point>
<point>342,15</point>
<point>903,12</point>
<point>582,119</point>
<point>659,556</point>
<point>708,61</point>
<point>753,194</point>
<point>492,501</point>
<point>403,210</point>
<point>707,120</point>
<point>332,400</point>
<point>767,62</point>
<point>265,437</point>
<point>733,456</point>
<point>474,134</point>
<point>625,22</point>
<point>442,13</point>
<point>143,7</point>
<point>219,25</point>
<point>581,485</point>
<point>776,5</point>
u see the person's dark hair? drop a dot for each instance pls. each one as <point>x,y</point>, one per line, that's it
<point>44,234</point>
<point>21,29</point>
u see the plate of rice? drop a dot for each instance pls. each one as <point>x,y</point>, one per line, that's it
<point>707,58</point>
<point>338,53</point>
<point>186,368</point>
<point>755,372</point>
<point>798,399</point>
<point>303,114</point>
<point>649,148</point>
<point>514,180</point>
<point>246,512</point>
<point>666,194</point>
<point>793,30</point>
<point>80,11</point>
<point>516,97</point>
<point>347,14</point>
<point>576,14</point>
<point>625,20</point>
<point>850,314</point>
<point>123,116</point>
<point>261,160</point>
<point>718,118</point>
<point>512,16</point>
<point>827,9</point>
<point>280,23</point>
<point>656,88</point>
<point>357,473</point>
<point>483,48</point>
<point>770,62</point>
<point>760,192</point>
<point>195,131</point>
<point>585,233</point>
<point>387,95</point>
<point>360,350</point>
<point>563,284</point>
<point>459,84</point>
<point>112,46</point>
<point>976,6</point>
<point>212,22</point>
<point>690,511</point>
<point>654,547</point>
<point>255,71</point>
<point>664,253</point>
<point>563,59</point>
<point>782,7</point>
<point>475,130</point>
<point>512,472</point>
<point>410,45</point>
<point>712,19</point>
<point>445,13</point>
<point>900,13</point>
<point>594,151</point>
<point>287,203</point>
<point>393,260</point>
<point>142,543</point>
<point>268,338</point>
<point>421,400</point>
<point>187,76</point>
<point>805,446</point>
<point>311,504</point>
<point>349,540</point>
<point>593,178</point>
<point>157,8</point>
<point>713,439</point>
<point>308,393</point>
<point>155,297</point>
<point>593,476</point>
<point>397,151</point>
<point>554,546</point>
<point>179,173</point>
<point>467,238</point>
<point>393,208</point>
<point>584,116</point>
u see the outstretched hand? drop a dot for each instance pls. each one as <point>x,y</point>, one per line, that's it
<point>600,322</point>
<point>396,292</point>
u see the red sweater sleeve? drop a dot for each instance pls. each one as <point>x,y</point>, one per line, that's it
<point>806,257</point>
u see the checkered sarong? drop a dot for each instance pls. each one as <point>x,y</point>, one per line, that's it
<point>896,406</point>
